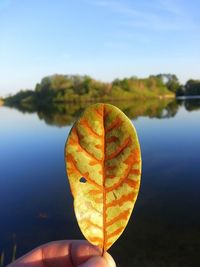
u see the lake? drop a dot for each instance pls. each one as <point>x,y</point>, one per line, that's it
<point>35,200</point>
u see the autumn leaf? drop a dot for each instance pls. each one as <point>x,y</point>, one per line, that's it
<point>103,163</point>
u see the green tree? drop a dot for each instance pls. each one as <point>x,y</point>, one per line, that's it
<point>192,87</point>
<point>170,80</point>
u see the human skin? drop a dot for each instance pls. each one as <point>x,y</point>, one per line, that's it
<point>65,253</point>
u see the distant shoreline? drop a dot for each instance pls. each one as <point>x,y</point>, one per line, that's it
<point>81,100</point>
<point>59,89</point>
<point>1,102</point>
<point>188,97</point>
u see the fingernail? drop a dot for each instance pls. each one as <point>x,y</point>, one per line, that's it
<point>109,259</point>
<point>95,262</point>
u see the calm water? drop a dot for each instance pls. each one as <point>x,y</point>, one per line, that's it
<point>36,205</point>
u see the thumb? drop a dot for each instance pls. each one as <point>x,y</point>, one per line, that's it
<point>97,261</point>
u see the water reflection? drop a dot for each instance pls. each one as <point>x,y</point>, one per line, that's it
<point>63,114</point>
<point>36,205</point>
<point>192,104</point>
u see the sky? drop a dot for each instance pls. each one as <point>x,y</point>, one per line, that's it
<point>105,39</point>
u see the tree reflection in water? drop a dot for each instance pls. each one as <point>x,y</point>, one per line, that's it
<point>62,114</point>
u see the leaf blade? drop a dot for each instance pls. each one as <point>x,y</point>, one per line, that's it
<point>103,148</point>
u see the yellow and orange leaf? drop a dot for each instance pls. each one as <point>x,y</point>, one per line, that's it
<point>103,163</point>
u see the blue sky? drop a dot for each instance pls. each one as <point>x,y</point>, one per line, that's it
<point>102,38</point>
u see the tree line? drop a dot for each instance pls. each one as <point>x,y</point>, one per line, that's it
<point>58,88</point>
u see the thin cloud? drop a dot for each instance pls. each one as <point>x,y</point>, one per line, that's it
<point>171,6</point>
<point>118,7</point>
<point>159,15</point>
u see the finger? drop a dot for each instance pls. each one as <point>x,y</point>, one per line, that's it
<point>81,251</point>
<point>59,253</point>
<point>32,258</point>
<point>75,253</point>
<point>56,254</point>
<point>97,261</point>
<point>109,259</point>
<point>53,252</point>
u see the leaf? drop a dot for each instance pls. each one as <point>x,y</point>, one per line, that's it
<point>103,163</point>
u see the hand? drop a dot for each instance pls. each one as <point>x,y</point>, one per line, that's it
<point>66,253</point>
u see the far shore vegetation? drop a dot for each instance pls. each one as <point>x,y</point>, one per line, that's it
<point>58,99</point>
<point>74,88</point>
